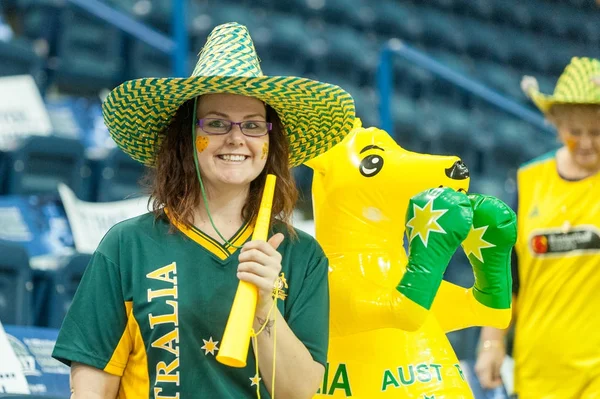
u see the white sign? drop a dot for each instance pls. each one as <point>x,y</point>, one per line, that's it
<point>22,110</point>
<point>14,227</point>
<point>91,220</point>
<point>12,379</point>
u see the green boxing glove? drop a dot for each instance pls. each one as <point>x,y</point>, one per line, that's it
<point>488,247</point>
<point>437,221</point>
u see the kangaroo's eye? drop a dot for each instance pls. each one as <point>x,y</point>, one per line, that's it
<point>371,165</point>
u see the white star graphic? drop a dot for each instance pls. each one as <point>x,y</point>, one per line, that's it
<point>210,346</point>
<point>474,242</point>
<point>424,221</point>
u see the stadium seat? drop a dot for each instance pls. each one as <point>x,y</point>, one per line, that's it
<point>40,163</point>
<point>145,61</point>
<point>564,50</point>
<point>482,9</point>
<point>518,14</point>
<point>16,286</point>
<point>3,172</point>
<point>253,19</point>
<point>495,186</point>
<point>565,22</point>
<point>8,4</point>
<point>448,5</point>
<point>527,52</point>
<point>342,57</point>
<point>442,30</point>
<point>69,116</point>
<point>355,13</point>
<point>274,68</point>
<point>290,40</point>
<point>64,283</point>
<point>40,19</point>
<point>119,177</point>
<point>17,57</point>
<point>156,13</point>
<point>515,143</point>
<point>457,131</point>
<point>406,119</point>
<point>413,80</point>
<point>458,63</point>
<point>398,19</point>
<point>461,64</point>
<point>88,53</point>
<point>445,129</point>
<point>485,42</point>
<point>366,102</point>
<point>502,79</point>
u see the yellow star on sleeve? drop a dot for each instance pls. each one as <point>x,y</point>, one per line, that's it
<point>424,221</point>
<point>255,380</point>
<point>210,346</point>
<point>474,242</point>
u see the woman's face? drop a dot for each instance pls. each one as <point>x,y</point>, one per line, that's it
<point>579,130</point>
<point>230,159</point>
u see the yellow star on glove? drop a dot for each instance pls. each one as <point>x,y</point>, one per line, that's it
<point>424,222</point>
<point>474,242</point>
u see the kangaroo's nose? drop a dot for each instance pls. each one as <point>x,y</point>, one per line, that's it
<point>458,171</point>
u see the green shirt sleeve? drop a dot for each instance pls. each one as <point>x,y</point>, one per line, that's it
<point>308,315</point>
<point>94,331</point>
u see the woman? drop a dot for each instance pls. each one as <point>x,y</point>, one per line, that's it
<point>150,312</point>
<point>557,344</point>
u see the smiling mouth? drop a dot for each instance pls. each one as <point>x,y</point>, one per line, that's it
<point>233,158</point>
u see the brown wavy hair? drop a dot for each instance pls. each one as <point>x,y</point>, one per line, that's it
<point>173,183</point>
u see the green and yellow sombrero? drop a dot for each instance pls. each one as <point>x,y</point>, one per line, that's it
<point>576,85</point>
<point>316,115</point>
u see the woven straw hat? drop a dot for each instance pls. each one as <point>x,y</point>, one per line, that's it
<point>576,85</point>
<point>315,115</point>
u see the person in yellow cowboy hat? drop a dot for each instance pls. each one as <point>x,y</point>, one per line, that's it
<point>150,313</point>
<point>557,257</point>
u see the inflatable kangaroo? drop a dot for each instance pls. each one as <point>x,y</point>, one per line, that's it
<point>389,311</point>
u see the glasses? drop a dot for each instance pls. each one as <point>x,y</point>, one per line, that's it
<point>223,126</point>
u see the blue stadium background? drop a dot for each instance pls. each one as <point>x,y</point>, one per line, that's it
<point>76,57</point>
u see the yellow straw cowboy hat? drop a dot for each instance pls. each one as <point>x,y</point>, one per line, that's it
<point>576,85</point>
<point>315,115</point>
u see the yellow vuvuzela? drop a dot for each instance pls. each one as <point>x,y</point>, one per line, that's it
<point>236,338</point>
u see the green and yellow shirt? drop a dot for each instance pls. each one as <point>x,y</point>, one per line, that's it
<point>153,305</point>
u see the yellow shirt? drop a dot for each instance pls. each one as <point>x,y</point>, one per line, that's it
<point>557,333</point>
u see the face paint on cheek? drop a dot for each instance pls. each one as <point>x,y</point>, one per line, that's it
<point>265,151</point>
<point>571,143</point>
<point>201,143</point>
